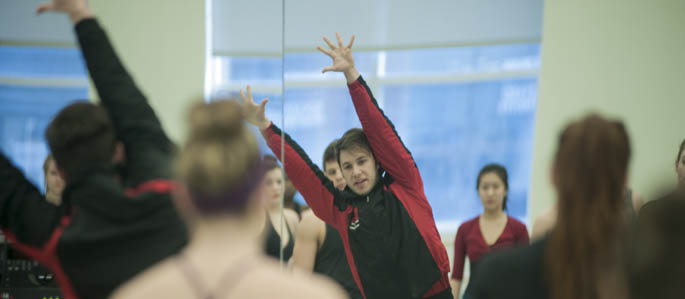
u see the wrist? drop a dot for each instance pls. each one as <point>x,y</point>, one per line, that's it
<point>351,75</point>
<point>265,125</point>
<point>79,14</point>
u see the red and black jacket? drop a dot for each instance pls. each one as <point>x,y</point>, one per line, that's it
<point>108,229</point>
<point>390,239</point>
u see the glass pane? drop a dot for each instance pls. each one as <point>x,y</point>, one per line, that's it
<point>453,130</point>
<point>28,62</point>
<point>463,60</point>
<point>25,112</point>
<point>249,69</point>
<point>251,54</point>
<point>299,66</point>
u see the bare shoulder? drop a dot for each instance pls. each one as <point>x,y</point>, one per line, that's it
<point>291,216</point>
<point>285,285</point>
<point>160,281</point>
<point>311,226</point>
<point>544,222</point>
<point>264,279</point>
<point>309,218</point>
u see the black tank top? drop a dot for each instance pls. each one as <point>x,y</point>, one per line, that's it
<point>332,262</point>
<point>272,246</point>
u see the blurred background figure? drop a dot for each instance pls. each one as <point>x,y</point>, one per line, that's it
<point>280,228</point>
<point>289,201</point>
<point>492,230</point>
<point>655,260</point>
<point>54,184</point>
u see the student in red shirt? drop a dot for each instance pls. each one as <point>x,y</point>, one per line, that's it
<point>491,230</point>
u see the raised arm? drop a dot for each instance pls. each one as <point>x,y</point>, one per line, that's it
<point>386,144</point>
<point>148,149</point>
<point>317,190</point>
<point>25,216</point>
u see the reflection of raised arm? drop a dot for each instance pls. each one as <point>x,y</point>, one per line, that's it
<point>148,149</point>
<point>386,144</point>
<point>310,236</point>
<point>316,189</point>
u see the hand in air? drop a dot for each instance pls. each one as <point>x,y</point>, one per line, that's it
<point>76,9</point>
<point>254,113</point>
<point>341,55</point>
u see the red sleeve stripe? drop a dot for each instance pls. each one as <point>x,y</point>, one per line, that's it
<point>155,186</point>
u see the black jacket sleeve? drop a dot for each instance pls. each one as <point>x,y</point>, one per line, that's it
<point>148,149</point>
<point>24,213</point>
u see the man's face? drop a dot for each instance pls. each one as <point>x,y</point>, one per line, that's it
<point>359,169</point>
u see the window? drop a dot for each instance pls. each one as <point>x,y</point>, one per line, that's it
<point>35,83</point>
<point>456,109</point>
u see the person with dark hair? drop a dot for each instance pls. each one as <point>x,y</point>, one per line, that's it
<point>492,230</point>
<point>280,228</point>
<point>319,247</point>
<point>655,262</point>
<point>582,256</point>
<point>289,199</point>
<point>116,219</point>
<point>680,185</point>
<point>385,221</point>
<point>221,195</point>
<point>54,184</point>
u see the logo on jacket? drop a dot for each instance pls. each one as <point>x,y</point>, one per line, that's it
<point>354,224</point>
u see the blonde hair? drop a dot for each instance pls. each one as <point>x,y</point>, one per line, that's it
<point>220,150</point>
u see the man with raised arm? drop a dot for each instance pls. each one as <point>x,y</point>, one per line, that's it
<point>385,221</point>
<point>116,218</point>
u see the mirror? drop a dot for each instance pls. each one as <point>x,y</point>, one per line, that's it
<point>458,79</point>
<point>246,48</point>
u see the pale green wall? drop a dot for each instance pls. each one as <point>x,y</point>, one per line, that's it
<point>162,43</point>
<point>625,59</point>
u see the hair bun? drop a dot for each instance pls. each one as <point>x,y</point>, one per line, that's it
<point>224,119</point>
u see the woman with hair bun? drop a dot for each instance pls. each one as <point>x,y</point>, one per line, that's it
<point>220,175</point>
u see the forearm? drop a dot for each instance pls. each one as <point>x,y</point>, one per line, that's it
<point>380,132</point>
<point>316,189</point>
<point>23,210</point>
<point>456,287</point>
<point>117,91</point>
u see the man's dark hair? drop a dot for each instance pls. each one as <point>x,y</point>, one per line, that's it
<point>329,153</point>
<point>352,139</point>
<point>81,137</point>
